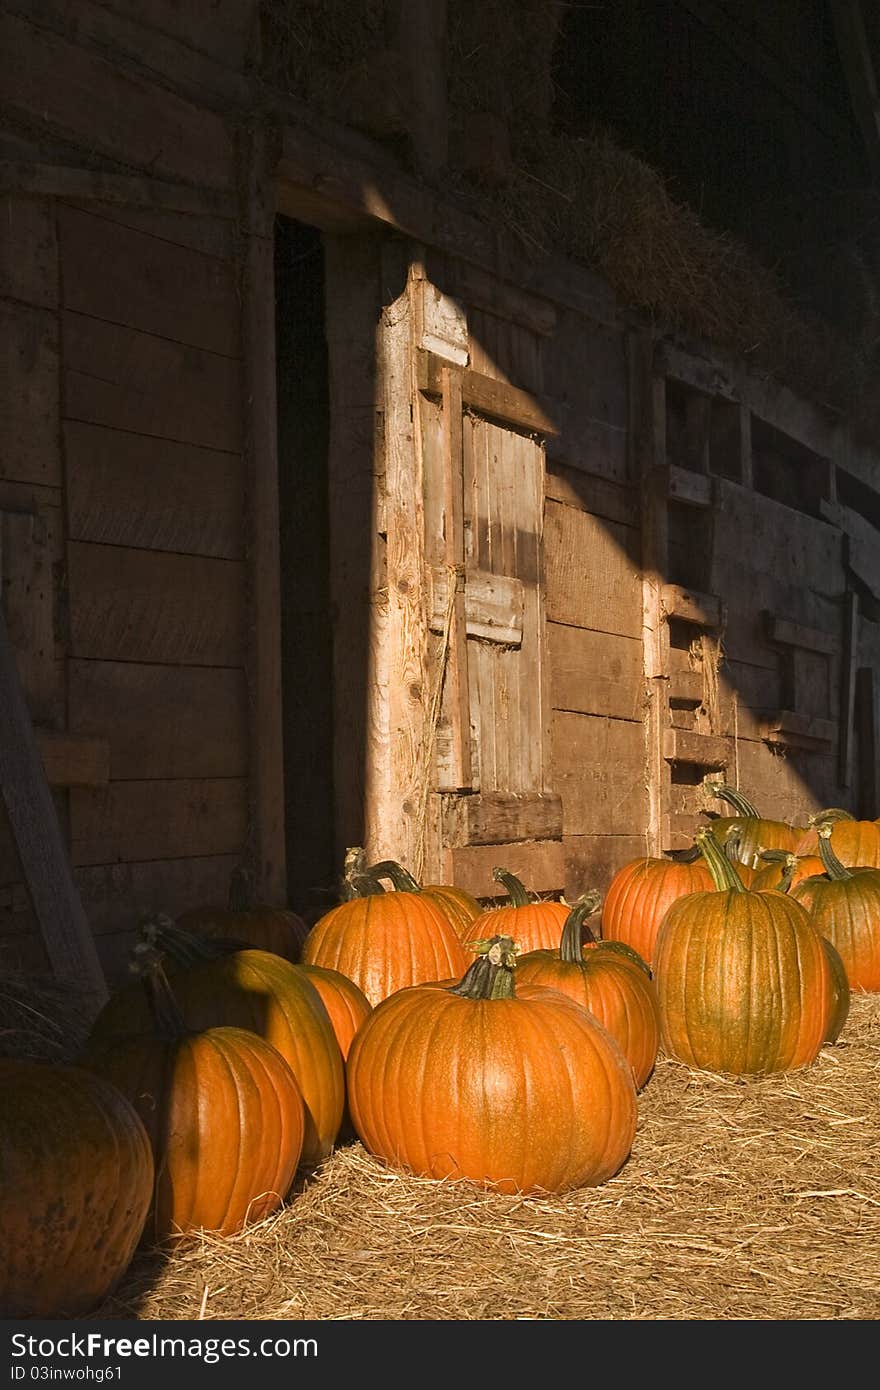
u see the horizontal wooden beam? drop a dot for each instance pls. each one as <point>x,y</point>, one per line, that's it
<point>538,864</point>
<point>788,728</point>
<point>73,760</point>
<point>790,634</point>
<point>684,485</point>
<point>686,686</point>
<point>493,605</point>
<point>690,606</point>
<point>700,750</point>
<point>497,818</point>
<point>137,190</point>
<point>496,399</point>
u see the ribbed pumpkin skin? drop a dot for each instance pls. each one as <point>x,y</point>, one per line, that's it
<point>226,1122</point>
<point>743,982</point>
<point>263,928</point>
<point>841,994</point>
<point>521,1095</point>
<point>259,991</point>
<point>346,1004</point>
<point>76,1181</point>
<point>640,894</point>
<point>847,911</point>
<point>534,926</point>
<point>459,906</point>
<point>756,834</point>
<point>617,991</point>
<point>770,876</point>
<point>855,842</point>
<point>386,942</point>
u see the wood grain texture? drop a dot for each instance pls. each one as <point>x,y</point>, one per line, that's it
<point>120,895</point>
<point>83,97</point>
<point>596,672</point>
<point>538,864</point>
<point>599,767</point>
<point>28,251</point>
<point>153,494</point>
<point>212,235</point>
<point>73,760</point>
<point>148,385</point>
<point>29,362</point>
<point>39,840</point>
<point>175,293</point>
<point>162,721</point>
<point>153,606</point>
<point>591,861</point>
<point>592,572</point>
<point>601,496</point>
<point>178,819</point>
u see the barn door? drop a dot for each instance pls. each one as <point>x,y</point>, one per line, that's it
<point>483,464</point>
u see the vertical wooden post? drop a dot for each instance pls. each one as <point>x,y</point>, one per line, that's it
<point>647,432</point>
<point>418,32</point>
<point>848,656</point>
<point>868,735</point>
<point>457,689</point>
<point>267,846</point>
<point>397,758</point>
<point>67,935</point>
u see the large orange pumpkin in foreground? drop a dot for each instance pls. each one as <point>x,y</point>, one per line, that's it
<point>76,1181</point>
<point>251,989</point>
<point>224,1114</point>
<point>743,981</point>
<point>606,977</point>
<point>518,1089</point>
<point>386,941</point>
<point>642,890</point>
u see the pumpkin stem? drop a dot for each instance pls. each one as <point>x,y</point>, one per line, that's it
<point>146,963</point>
<point>401,878</point>
<point>241,889</point>
<point>683,856</point>
<point>364,885</point>
<point>740,803</point>
<point>724,874</point>
<point>518,895</point>
<point>789,863</point>
<point>574,928</point>
<point>830,862</point>
<point>186,947</point>
<point>828,816</point>
<point>491,975</point>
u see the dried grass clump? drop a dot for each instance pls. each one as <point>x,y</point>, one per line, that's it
<point>41,1018</point>
<point>742,1199</point>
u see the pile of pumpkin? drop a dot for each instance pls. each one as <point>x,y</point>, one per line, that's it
<point>506,1044</point>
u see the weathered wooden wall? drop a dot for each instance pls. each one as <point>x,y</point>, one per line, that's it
<point>122,462</point>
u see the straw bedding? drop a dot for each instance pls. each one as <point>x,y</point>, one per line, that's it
<point>743,1199</point>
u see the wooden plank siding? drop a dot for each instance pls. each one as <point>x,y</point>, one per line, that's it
<point>154,597</point>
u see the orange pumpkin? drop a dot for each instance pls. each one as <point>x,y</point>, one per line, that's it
<point>521,1089</point>
<point>259,991</point>
<point>385,941</point>
<point>222,1109</point>
<point>459,906</point>
<point>782,869</point>
<point>844,905</point>
<point>533,925</point>
<point>76,1181</point>
<point>606,977</point>
<point>753,833</point>
<point>856,843</point>
<point>641,892</point>
<point>246,922</point>
<point>743,982</point>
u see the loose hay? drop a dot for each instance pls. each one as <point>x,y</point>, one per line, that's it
<point>42,1018</point>
<point>743,1199</point>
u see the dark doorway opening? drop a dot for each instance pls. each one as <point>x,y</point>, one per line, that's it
<point>306,628</point>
